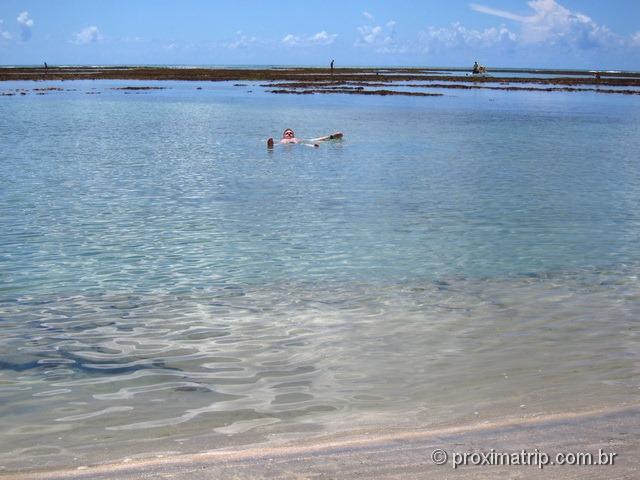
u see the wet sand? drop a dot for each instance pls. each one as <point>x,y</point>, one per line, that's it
<point>320,80</point>
<point>405,455</point>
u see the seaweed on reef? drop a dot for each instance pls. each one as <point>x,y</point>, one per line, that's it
<point>138,88</point>
<point>306,75</point>
<point>310,80</point>
<point>358,92</point>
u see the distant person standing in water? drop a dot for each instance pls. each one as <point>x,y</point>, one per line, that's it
<point>46,66</point>
<point>332,66</point>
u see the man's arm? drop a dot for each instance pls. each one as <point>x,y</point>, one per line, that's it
<point>308,143</point>
<point>333,136</point>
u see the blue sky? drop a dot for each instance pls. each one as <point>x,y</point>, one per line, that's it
<point>499,33</point>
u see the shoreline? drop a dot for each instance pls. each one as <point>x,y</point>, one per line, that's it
<point>347,80</point>
<point>405,454</point>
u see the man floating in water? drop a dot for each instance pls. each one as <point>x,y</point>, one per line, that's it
<point>288,136</point>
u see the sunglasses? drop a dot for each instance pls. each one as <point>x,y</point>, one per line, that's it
<point>289,132</point>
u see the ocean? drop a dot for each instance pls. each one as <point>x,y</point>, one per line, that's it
<point>167,284</point>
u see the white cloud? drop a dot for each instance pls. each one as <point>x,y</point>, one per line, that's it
<point>371,35</point>
<point>381,38</point>
<point>26,24</point>
<point>320,38</point>
<point>242,41</point>
<point>88,35</point>
<point>552,23</point>
<point>289,39</point>
<point>496,12</point>
<point>548,24</point>
<point>459,36</point>
<point>368,16</point>
<point>4,35</point>
<point>23,19</point>
<point>324,38</point>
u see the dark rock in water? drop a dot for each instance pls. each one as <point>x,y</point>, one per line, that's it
<point>19,366</point>
<point>138,88</point>
<point>295,92</point>
<point>531,275</point>
<point>357,92</point>
<point>192,388</point>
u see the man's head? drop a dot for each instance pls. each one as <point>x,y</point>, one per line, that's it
<point>288,133</point>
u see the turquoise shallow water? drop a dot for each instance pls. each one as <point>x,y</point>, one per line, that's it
<point>175,187</point>
<point>471,255</point>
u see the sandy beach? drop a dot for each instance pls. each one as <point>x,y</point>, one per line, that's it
<point>609,436</point>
